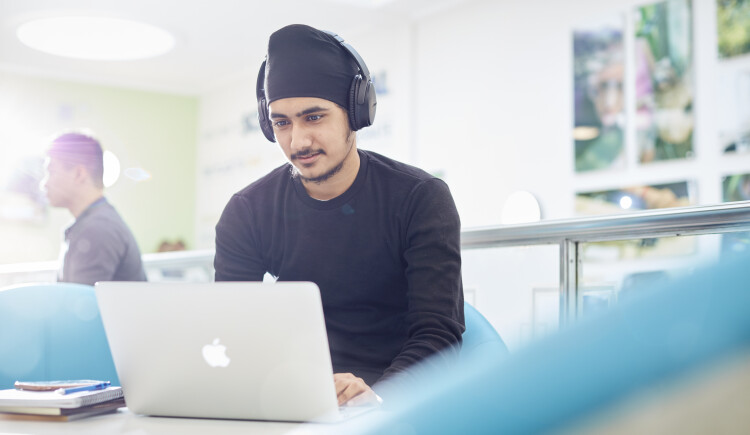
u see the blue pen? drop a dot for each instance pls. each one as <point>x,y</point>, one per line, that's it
<point>99,386</point>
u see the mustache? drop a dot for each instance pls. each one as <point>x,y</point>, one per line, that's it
<point>306,153</point>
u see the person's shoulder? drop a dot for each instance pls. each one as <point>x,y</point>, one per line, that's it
<point>405,181</point>
<point>382,165</point>
<point>267,184</point>
<point>105,221</point>
<point>101,214</point>
<point>402,177</point>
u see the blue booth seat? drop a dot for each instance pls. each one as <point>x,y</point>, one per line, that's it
<point>480,337</point>
<point>52,332</point>
<point>671,335</point>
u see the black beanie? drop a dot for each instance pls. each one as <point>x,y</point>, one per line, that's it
<point>306,62</point>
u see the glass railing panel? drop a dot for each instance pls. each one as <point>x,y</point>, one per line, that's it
<point>516,288</point>
<point>614,271</point>
<point>180,266</point>
<point>735,243</point>
<point>23,273</point>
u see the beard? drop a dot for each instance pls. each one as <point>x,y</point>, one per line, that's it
<point>328,174</point>
<point>323,177</point>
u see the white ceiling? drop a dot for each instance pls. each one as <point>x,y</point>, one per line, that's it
<point>216,39</point>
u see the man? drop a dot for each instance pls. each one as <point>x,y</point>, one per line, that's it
<point>380,238</point>
<point>98,246</point>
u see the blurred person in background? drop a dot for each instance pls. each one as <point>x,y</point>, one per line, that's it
<point>98,246</point>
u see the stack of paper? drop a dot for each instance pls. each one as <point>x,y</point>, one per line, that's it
<point>50,405</point>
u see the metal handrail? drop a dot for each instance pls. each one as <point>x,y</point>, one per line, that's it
<point>695,220</point>
<point>570,233</point>
<point>567,233</point>
<point>710,219</point>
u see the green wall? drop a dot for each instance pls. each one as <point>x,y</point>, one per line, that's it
<point>152,131</point>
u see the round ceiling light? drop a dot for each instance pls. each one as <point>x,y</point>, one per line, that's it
<point>95,38</point>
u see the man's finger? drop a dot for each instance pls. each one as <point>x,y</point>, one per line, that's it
<point>341,381</point>
<point>352,389</point>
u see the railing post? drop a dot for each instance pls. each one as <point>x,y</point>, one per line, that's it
<point>569,273</point>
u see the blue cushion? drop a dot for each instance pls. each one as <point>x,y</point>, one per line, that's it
<point>52,332</point>
<point>480,336</point>
<point>673,332</point>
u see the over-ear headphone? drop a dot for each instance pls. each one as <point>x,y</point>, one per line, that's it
<point>362,100</point>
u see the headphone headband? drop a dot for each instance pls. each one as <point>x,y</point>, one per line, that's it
<point>357,58</point>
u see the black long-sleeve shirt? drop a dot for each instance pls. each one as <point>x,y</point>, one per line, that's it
<point>385,254</point>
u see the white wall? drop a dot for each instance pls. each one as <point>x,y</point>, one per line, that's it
<point>232,151</point>
<point>494,106</point>
<point>390,58</point>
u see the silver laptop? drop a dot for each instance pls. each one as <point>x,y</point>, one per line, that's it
<point>237,350</point>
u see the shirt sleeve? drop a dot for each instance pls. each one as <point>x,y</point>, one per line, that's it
<point>238,256</point>
<point>93,256</point>
<point>435,319</point>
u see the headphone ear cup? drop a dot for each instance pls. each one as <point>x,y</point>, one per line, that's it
<point>264,121</point>
<point>353,109</point>
<point>370,104</point>
<point>260,93</point>
<point>361,110</point>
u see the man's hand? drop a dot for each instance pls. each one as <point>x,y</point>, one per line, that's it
<point>353,391</point>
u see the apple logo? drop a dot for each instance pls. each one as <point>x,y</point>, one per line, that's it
<point>215,354</point>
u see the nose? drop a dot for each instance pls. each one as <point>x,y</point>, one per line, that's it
<point>301,138</point>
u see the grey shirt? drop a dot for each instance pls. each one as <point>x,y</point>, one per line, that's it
<point>100,247</point>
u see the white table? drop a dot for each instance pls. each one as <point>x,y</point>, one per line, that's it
<point>125,422</point>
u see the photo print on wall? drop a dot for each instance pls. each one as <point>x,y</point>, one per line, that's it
<point>664,86</point>
<point>733,27</point>
<point>599,109</point>
<point>635,198</point>
<point>733,75</point>
<point>735,187</point>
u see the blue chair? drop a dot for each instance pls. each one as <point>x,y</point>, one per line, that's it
<point>480,337</point>
<point>52,332</point>
<point>670,335</point>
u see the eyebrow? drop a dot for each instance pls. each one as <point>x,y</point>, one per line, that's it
<point>302,113</point>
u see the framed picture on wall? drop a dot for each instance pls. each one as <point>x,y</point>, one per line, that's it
<point>733,108</point>
<point>599,103</point>
<point>733,71</point>
<point>644,197</point>
<point>634,198</point>
<point>664,86</point>
<point>733,27</point>
<point>735,188</point>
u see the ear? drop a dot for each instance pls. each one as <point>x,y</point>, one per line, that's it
<point>80,174</point>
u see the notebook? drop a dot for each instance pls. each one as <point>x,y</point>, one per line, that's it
<point>235,350</point>
<point>51,413</point>
<point>51,399</point>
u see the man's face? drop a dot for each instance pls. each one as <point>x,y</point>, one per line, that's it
<point>315,136</point>
<point>59,182</point>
